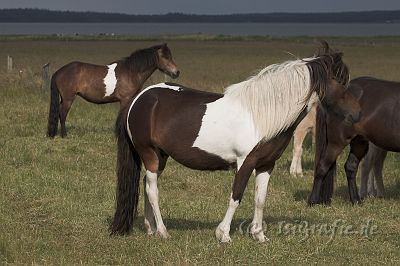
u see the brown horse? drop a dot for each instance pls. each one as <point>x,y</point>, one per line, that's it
<point>371,167</point>
<point>246,128</point>
<point>379,122</point>
<point>117,82</point>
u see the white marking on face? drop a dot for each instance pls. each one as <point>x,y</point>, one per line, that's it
<point>227,130</point>
<point>159,85</point>
<point>110,80</point>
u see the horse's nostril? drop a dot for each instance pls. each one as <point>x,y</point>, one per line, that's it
<point>177,74</point>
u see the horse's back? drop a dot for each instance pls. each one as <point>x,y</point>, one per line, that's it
<point>380,102</point>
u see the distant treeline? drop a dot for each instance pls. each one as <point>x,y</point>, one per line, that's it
<point>43,15</point>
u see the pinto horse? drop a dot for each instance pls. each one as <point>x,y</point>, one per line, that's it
<point>119,81</point>
<point>377,102</point>
<point>246,128</point>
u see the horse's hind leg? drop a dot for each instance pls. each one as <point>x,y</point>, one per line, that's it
<point>152,162</point>
<point>378,168</point>
<point>149,219</point>
<point>65,106</point>
<point>358,149</point>
<point>366,172</point>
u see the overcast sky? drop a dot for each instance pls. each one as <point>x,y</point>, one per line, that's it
<point>205,6</point>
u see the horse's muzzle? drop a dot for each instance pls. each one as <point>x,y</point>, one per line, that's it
<point>175,75</point>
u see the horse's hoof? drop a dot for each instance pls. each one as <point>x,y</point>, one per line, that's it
<point>222,236</point>
<point>260,237</point>
<point>258,233</point>
<point>162,233</point>
<point>312,203</point>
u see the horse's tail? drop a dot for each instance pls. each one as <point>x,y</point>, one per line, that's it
<point>54,111</point>
<point>321,140</point>
<point>128,175</point>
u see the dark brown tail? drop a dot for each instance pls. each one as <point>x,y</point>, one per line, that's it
<point>54,113</point>
<point>128,174</point>
<point>321,140</point>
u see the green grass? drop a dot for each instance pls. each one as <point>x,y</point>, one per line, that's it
<point>57,196</point>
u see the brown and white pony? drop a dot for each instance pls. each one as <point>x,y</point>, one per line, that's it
<point>379,123</point>
<point>246,128</point>
<point>117,82</point>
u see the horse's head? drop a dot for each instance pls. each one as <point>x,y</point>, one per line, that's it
<point>165,63</point>
<point>330,77</point>
<point>338,101</point>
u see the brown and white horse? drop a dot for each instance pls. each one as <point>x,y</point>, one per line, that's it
<point>246,128</point>
<point>117,82</point>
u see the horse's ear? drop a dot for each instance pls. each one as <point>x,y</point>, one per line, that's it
<point>357,91</point>
<point>164,45</point>
<point>324,46</point>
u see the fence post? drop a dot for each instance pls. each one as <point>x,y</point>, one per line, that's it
<point>45,77</point>
<point>9,64</point>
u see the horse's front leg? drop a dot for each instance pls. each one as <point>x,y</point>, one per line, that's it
<point>323,176</point>
<point>260,193</point>
<point>239,184</point>
<point>358,149</point>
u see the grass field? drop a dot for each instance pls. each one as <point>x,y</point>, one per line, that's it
<point>57,195</point>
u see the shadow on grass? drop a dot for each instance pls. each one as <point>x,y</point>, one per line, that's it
<point>342,192</point>
<point>239,224</point>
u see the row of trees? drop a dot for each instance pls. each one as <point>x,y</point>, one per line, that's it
<point>42,15</point>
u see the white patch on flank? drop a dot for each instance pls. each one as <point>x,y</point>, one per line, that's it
<point>227,130</point>
<point>159,85</point>
<point>110,80</point>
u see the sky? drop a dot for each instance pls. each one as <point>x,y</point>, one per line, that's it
<point>205,6</point>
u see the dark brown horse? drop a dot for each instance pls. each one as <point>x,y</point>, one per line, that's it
<point>117,82</point>
<point>246,128</point>
<point>379,122</point>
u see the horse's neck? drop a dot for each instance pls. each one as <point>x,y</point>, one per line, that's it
<point>139,78</point>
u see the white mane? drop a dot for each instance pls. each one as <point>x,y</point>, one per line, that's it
<point>275,97</point>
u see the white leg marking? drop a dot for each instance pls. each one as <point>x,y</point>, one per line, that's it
<point>222,231</point>
<point>149,219</point>
<point>152,193</point>
<point>110,80</point>
<point>260,194</point>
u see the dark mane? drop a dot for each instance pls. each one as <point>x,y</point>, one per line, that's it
<point>143,59</point>
<point>327,64</point>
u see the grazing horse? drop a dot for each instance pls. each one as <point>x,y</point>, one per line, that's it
<point>247,128</point>
<point>119,81</point>
<point>379,122</point>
